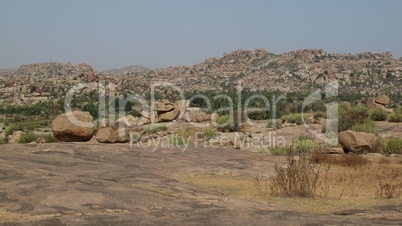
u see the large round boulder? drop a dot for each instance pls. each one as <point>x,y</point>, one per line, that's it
<point>383,99</point>
<point>73,126</point>
<point>357,142</point>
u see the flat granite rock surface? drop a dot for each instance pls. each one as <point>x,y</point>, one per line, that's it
<point>98,184</point>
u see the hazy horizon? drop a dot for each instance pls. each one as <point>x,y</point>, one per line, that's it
<point>158,34</point>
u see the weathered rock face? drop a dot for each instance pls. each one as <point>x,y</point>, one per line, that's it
<point>128,121</point>
<point>380,102</point>
<point>203,117</point>
<point>164,106</point>
<point>149,117</point>
<point>372,104</point>
<point>112,135</point>
<point>383,100</point>
<point>214,117</point>
<point>170,115</point>
<point>13,138</point>
<point>357,142</point>
<point>73,126</point>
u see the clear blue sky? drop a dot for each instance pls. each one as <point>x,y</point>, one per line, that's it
<point>161,33</point>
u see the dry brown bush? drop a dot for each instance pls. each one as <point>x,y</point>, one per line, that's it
<point>298,179</point>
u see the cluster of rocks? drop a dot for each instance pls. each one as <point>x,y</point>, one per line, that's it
<point>52,69</point>
<point>166,111</point>
<point>298,70</point>
<point>380,102</point>
<point>78,126</point>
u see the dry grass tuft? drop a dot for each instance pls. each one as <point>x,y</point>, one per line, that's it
<point>344,182</point>
<point>348,160</point>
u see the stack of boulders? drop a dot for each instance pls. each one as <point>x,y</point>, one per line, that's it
<point>78,126</point>
<point>166,111</point>
<point>380,102</point>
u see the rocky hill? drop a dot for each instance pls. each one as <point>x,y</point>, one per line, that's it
<point>128,69</point>
<point>291,71</point>
<point>300,70</point>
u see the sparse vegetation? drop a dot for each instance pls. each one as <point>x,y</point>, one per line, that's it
<point>183,136</point>
<point>209,133</point>
<point>378,115</point>
<point>395,117</point>
<point>27,138</point>
<point>154,130</point>
<point>348,160</point>
<point>366,127</point>
<point>279,150</point>
<point>392,146</point>
<point>304,145</point>
<point>49,138</point>
<point>274,123</point>
<point>225,123</point>
<point>295,118</point>
<point>11,129</point>
<point>350,116</point>
<point>388,190</point>
<point>298,179</point>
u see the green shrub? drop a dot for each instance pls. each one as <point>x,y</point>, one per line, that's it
<point>295,118</point>
<point>279,150</point>
<point>392,146</point>
<point>378,114</point>
<point>49,138</point>
<point>223,119</point>
<point>3,140</point>
<point>209,133</point>
<point>27,138</point>
<point>11,129</point>
<point>318,115</point>
<point>350,116</point>
<point>395,117</point>
<point>366,127</point>
<point>224,122</point>
<point>303,145</point>
<point>274,123</point>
